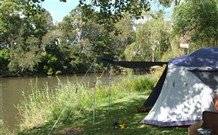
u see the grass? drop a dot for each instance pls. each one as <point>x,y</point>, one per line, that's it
<point>3,129</point>
<point>78,109</point>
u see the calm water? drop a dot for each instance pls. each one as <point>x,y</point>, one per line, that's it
<point>12,90</point>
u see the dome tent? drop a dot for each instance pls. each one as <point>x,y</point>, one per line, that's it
<point>186,91</point>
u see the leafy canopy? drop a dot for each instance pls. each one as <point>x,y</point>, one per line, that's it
<point>198,20</point>
<point>111,9</point>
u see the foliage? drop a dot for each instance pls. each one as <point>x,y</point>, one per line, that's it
<point>38,46</point>
<point>4,59</point>
<point>152,39</point>
<point>111,12</point>
<point>141,84</point>
<point>30,43</point>
<point>25,57</point>
<point>108,7</point>
<point>112,9</point>
<point>123,36</point>
<point>91,40</point>
<point>168,3</point>
<point>23,24</point>
<point>51,61</point>
<point>83,40</point>
<point>198,21</point>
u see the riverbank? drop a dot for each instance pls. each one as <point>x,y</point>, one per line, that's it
<point>77,109</point>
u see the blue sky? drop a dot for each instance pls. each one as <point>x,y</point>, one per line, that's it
<point>59,9</point>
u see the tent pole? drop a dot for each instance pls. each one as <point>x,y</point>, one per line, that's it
<point>94,96</point>
<point>110,85</point>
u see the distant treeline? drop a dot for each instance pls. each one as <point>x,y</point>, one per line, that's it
<point>31,44</point>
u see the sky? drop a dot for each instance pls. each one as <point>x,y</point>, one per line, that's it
<point>59,9</point>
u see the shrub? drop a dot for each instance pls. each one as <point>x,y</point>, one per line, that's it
<point>141,83</point>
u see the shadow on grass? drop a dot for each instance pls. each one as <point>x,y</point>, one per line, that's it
<point>122,111</point>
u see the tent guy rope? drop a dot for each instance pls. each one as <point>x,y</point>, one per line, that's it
<point>93,65</point>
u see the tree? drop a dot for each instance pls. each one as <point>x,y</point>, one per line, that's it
<point>115,9</point>
<point>10,23</point>
<point>4,60</point>
<point>122,36</point>
<point>152,39</point>
<point>112,9</point>
<point>74,38</point>
<point>89,40</point>
<point>53,60</point>
<point>168,3</point>
<point>197,20</point>
<point>22,26</point>
<point>26,55</point>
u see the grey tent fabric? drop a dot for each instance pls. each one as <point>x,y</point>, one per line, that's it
<point>150,101</point>
<point>182,99</point>
<point>188,89</point>
<point>210,78</point>
<point>204,57</point>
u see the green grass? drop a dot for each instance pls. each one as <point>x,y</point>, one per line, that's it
<point>3,129</point>
<point>70,109</point>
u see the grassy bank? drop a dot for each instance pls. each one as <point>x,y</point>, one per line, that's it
<point>78,109</point>
<point>3,129</point>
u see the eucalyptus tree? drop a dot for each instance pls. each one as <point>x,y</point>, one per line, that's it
<point>197,20</point>
<point>90,40</point>
<point>74,38</point>
<point>109,42</point>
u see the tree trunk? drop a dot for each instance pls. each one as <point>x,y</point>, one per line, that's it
<point>11,45</point>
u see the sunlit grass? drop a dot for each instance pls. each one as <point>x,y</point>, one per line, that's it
<point>3,129</point>
<point>79,109</point>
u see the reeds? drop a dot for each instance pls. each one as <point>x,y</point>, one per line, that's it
<point>3,129</point>
<point>66,103</point>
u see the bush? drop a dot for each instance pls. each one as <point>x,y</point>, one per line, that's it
<point>141,84</point>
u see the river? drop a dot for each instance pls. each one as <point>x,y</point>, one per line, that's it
<point>13,89</point>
